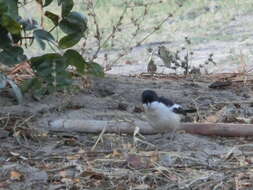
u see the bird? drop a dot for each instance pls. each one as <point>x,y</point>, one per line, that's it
<point>163,114</point>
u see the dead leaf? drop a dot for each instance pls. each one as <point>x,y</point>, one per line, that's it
<point>16,176</point>
<point>245,120</point>
<point>92,174</point>
<point>66,180</point>
<point>138,162</point>
<point>74,157</point>
<point>63,174</point>
<point>154,156</point>
<point>127,62</point>
<point>243,181</point>
<point>212,118</point>
<point>116,153</point>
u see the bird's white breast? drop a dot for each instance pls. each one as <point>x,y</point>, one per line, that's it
<point>161,117</point>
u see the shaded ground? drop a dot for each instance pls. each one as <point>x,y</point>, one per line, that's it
<point>31,157</point>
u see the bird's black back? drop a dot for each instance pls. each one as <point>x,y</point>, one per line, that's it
<point>165,101</point>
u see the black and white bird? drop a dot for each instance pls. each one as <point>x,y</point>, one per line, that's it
<point>163,114</point>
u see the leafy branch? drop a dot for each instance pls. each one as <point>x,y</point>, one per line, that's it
<point>51,69</point>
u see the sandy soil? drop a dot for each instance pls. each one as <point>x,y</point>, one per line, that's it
<point>230,44</point>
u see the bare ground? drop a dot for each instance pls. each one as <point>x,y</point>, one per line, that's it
<point>33,157</point>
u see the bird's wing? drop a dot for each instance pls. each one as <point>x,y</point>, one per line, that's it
<point>176,108</point>
<point>165,101</point>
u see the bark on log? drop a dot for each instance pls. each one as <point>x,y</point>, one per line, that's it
<point>219,129</point>
<point>96,126</point>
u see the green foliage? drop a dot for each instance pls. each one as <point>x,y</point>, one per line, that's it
<point>73,23</point>
<point>10,33</point>
<point>53,17</point>
<point>41,36</point>
<point>12,55</point>
<point>51,68</point>
<point>73,58</point>
<point>10,24</point>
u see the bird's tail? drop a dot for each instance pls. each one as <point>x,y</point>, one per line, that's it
<point>190,110</point>
<point>180,110</point>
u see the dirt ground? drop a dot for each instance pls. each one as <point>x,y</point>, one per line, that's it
<point>33,157</point>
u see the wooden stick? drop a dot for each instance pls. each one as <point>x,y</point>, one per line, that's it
<point>96,126</point>
<point>219,129</point>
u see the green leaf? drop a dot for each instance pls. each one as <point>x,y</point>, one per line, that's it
<point>3,81</point>
<point>47,2</point>
<point>51,69</point>
<point>53,17</point>
<point>29,84</point>
<point>70,40</point>
<point>12,55</point>
<point>59,2</point>
<point>67,27</point>
<point>47,64</point>
<point>41,36</point>
<point>67,6</point>
<point>48,58</point>
<point>16,90</point>
<point>3,8</point>
<point>74,58</point>
<point>12,9</point>
<point>43,65</point>
<point>95,69</point>
<point>63,79</point>
<point>35,85</point>
<point>74,22</point>
<point>5,40</point>
<point>11,25</point>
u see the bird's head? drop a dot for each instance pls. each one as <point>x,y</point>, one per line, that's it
<point>149,96</point>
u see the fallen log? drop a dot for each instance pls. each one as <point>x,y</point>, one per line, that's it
<point>219,129</point>
<point>96,126</point>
